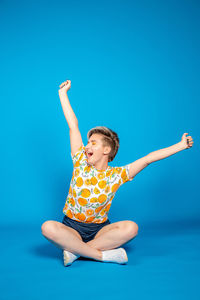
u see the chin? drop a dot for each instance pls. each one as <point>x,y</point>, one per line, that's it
<point>91,163</point>
<point>88,160</point>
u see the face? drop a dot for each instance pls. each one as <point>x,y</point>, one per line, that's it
<point>95,147</point>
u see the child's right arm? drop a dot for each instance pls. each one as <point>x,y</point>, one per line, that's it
<point>75,135</point>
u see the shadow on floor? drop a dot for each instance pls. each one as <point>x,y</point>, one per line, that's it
<point>47,250</point>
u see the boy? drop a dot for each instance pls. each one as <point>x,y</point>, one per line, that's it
<point>85,229</point>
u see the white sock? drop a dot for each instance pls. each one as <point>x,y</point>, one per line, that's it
<point>69,257</point>
<point>115,255</point>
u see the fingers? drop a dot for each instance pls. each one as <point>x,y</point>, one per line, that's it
<point>65,83</point>
<point>189,138</point>
<point>190,142</point>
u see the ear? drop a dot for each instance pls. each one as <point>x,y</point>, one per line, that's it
<point>107,150</point>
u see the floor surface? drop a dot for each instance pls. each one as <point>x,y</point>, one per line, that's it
<point>164,263</point>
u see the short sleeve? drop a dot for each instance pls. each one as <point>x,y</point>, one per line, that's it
<point>79,155</point>
<point>122,174</point>
<point>126,169</point>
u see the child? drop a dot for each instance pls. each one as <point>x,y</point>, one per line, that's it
<point>85,229</point>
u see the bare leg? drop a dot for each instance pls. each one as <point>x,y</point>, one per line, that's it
<point>114,235</point>
<point>69,239</point>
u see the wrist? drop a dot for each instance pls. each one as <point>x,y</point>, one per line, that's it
<point>181,145</point>
<point>61,92</point>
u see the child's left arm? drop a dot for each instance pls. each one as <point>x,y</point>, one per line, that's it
<point>140,164</point>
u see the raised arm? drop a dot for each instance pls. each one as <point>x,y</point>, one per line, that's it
<point>140,164</point>
<point>75,135</point>
<point>66,106</point>
<point>185,143</point>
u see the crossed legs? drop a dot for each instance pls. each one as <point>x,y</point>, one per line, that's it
<point>109,237</point>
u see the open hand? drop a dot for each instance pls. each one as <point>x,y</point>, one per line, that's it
<point>186,141</point>
<point>65,86</point>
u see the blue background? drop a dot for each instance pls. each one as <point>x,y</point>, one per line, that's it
<point>134,67</point>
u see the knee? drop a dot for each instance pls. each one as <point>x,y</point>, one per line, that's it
<point>132,228</point>
<point>48,228</point>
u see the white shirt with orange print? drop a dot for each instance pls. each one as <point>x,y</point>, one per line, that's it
<point>91,191</point>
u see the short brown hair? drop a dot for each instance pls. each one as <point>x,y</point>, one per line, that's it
<point>109,138</point>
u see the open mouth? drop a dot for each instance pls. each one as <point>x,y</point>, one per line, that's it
<point>90,154</point>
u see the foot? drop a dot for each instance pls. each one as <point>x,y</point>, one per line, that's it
<point>69,257</point>
<point>118,255</point>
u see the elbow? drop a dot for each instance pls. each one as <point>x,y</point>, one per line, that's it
<point>148,160</point>
<point>73,126</point>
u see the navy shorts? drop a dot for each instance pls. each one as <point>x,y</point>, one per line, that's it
<point>86,230</point>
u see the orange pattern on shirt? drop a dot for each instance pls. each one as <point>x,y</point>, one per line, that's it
<point>91,191</point>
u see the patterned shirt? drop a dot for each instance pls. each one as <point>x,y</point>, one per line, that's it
<point>91,190</point>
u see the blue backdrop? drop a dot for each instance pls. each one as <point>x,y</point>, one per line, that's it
<point>134,67</point>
